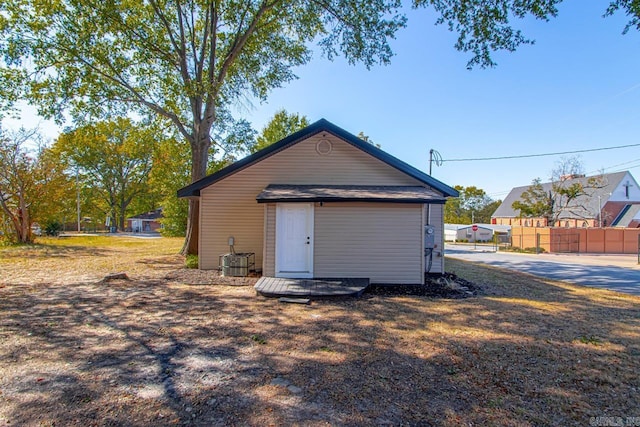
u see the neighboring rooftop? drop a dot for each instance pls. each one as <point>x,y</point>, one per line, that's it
<point>149,216</point>
<point>589,203</point>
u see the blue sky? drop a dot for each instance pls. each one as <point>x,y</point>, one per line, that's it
<point>577,88</point>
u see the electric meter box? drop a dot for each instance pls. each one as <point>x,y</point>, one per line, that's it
<point>429,236</point>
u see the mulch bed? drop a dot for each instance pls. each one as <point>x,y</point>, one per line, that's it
<point>447,285</point>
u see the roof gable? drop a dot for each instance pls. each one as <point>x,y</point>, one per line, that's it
<point>193,190</point>
<point>626,190</point>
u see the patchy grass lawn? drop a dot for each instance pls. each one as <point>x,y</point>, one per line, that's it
<point>88,258</point>
<point>173,346</point>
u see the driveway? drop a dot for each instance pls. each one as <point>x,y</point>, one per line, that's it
<point>615,272</point>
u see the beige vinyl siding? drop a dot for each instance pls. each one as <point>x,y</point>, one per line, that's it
<point>229,207</point>
<point>437,219</point>
<point>270,240</point>
<point>378,241</point>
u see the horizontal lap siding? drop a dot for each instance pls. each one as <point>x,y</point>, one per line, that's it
<point>237,217</point>
<point>229,207</point>
<point>270,240</point>
<point>436,212</point>
<point>381,242</point>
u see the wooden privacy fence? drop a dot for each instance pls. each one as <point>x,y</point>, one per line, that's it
<point>584,240</point>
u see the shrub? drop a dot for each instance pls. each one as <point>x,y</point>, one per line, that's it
<point>534,250</point>
<point>191,261</point>
<point>52,227</point>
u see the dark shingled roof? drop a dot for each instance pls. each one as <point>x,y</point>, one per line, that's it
<point>348,193</point>
<point>322,125</point>
<point>149,216</point>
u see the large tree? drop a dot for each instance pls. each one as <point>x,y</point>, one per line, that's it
<point>567,195</point>
<point>185,60</point>
<point>30,182</point>
<point>189,60</point>
<point>484,26</point>
<point>536,202</point>
<point>114,158</point>
<point>472,205</point>
<point>281,125</point>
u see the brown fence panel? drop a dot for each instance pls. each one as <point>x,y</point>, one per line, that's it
<point>565,241</point>
<point>630,240</point>
<point>595,240</point>
<point>585,240</point>
<point>614,240</point>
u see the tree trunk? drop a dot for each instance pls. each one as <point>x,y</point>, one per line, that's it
<point>24,221</point>
<point>121,219</point>
<point>199,159</point>
<point>193,228</point>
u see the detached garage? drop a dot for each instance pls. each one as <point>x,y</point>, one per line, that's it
<point>324,203</point>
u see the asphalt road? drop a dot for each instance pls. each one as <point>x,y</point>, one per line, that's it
<point>616,272</point>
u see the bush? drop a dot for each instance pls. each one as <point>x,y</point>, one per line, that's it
<point>533,250</point>
<point>52,227</point>
<point>191,261</point>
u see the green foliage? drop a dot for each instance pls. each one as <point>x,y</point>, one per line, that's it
<point>535,202</point>
<point>484,27</point>
<point>258,339</point>
<point>366,138</point>
<point>486,212</point>
<point>533,250</point>
<point>191,62</point>
<point>191,261</point>
<point>174,221</point>
<point>280,126</point>
<point>52,227</point>
<point>591,339</point>
<point>113,160</point>
<point>169,173</point>
<point>472,205</point>
<point>568,194</point>
<point>31,183</point>
<point>188,62</point>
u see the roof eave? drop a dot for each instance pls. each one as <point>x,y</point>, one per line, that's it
<point>322,125</point>
<point>350,199</point>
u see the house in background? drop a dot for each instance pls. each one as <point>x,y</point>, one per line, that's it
<point>615,204</point>
<point>323,203</point>
<point>145,223</point>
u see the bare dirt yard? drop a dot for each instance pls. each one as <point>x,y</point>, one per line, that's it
<point>171,346</point>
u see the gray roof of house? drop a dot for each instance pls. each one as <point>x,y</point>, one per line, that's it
<point>322,125</point>
<point>348,193</point>
<point>589,202</point>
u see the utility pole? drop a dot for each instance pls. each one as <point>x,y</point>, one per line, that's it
<point>78,199</point>
<point>434,156</point>
<point>599,213</point>
<point>430,160</point>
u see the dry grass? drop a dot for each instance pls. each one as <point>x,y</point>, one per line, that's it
<point>89,258</point>
<point>167,348</point>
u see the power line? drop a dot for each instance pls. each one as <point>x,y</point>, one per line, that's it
<point>614,166</point>
<point>539,155</point>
